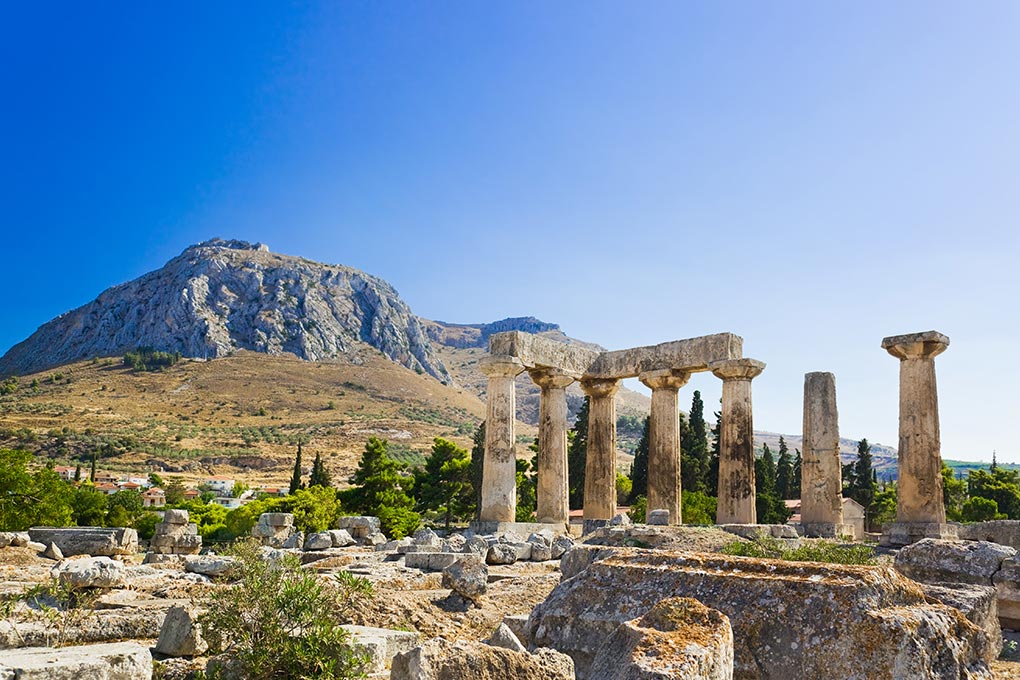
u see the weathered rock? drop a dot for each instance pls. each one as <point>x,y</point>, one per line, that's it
<point>53,552</point>
<point>430,561</point>
<point>454,543</point>
<point>181,634</point>
<point>1001,531</point>
<point>373,540</point>
<point>88,540</point>
<point>580,557</point>
<point>505,638</point>
<point>294,541</point>
<point>175,535</point>
<point>159,558</point>
<point>1007,586</point>
<point>468,577</point>
<point>518,624</point>
<point>658,517</point>
<point>620,520</point>
<point>116,661</point>
<point>477,545</point>
<point>360,526</point>
<point>789,619</point>
<point>319,541</point>
<point>341,538</point>
<point>176,517</point>
<point>15,539</point>
<point>210,565</point>
<point>501,553</point>
<point>90,572</point>
<point>977,603</point>
<point>276,530</point>
<point>560,545</point>
<point>439,659</point>
<point>541,546</point>
<point>381,644</point>
<point>677,638</point>
<point>426,537</point>
<point>935,561</point>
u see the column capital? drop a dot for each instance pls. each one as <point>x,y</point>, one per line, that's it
<point>550,378</point>
<point>600,387</point>
<point>501,366</point>
<point>665,379</point>
<point>926,345</point>
<point>737,369</point>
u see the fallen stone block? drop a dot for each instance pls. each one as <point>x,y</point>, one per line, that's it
<point>176,517</point>
<point>935,561</point>
<point>789,619</point>
<point>978,603</point>
<point>181,634</point>
<point>440,659</point>
<point>341,538</point>
<point>677,638</point>
<point>427,537</point>
<point>1001,531</point>
<point>560,545</point>
<point>518,623</point>
<point>430,561</point>
<point>319,541</point>
<point>90,572</point>
<point>467,576</point>
<point>88,540</point>
<point>501,553</point>
<point>1007,587</point>
<point>210,565</point>
<point>381,644</point>
<point>505,638</point>
<point>454,543</point>
<point>360,526</point>
<point>372,540</point>
<point>53,552</point>
<point>658,517</point>
<point>115,661</point>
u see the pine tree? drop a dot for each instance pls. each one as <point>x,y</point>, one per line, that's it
<point>784,472</point>
<point>765,471</point>
<point>92,477</point>
<point>639,472</point>
<point>712,479</point>
<point>295,478</point>
<point>694,450</point>
<point>477,465</point>
<point>319,476</point>
<point>862,481</point>
<point>443,484</point>
<point>768,504</point>
<point>381,489</point>
<point>577,456</point>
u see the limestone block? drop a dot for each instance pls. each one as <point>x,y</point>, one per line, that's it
<point>505,638</point>
<point>935,561</point>
<point>677,638</point>
<point>518,624</point>
<point>978,603</point>
<point>174,516</point>
<point>467,576</point>
<point>691,354</point>
<point>294,541</point>
<point>560,545</point>
<point>381,644</point>
<point>454,543</point>
<point>501,553</point>
<point>210,565</point>
<point>15,539</point>
<point>658,517</point>
<point>276,519</point>
<point>1007,586</point>
<point>476,545</point>
<point>181,634</point>
<point>430,561</point>
<point>373,540</point>
<point>440,659</point>
<point>114,661</point>
<point>53,552</point>
<point>1001,531</point>
<point>393,546</point>
<point>620,520</point>
<point>360,526</point>
<point>91,572</point>
<point>88,540</point>
<point>789,619</point>
<point>161,558</point>
<point>319,541</point>
<point>427,537</point>
<point>340,538</point>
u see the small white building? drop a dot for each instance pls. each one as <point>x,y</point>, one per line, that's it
<point>154,498</point>
<point>220,484</point>
<point>853,514</point>
<point>228,502</point>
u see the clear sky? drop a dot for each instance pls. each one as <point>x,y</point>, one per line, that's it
<point>811,176</point>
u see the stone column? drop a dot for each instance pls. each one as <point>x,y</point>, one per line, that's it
<point>736,441</point>
<point>553,492</point>
<point>664,441</point>
<point>499,472</point>
<point>821,476</point>
<point>600,468</point>
<point>919,509</point>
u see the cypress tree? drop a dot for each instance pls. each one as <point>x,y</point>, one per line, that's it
<point>712,479</point>
<point>577,456</point>
<point>77,472</point>
<point>797,462</point>
<point>319,476</point>
<point>639,473</point>
<point>694,450</point>
<point>295,479</point>
<point>477,465</point>
<point>784,472</point>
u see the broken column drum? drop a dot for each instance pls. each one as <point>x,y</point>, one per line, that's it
<point>821,487</point>
<point>499,471</point>
<point>736,495</point>
<point>664,441</point>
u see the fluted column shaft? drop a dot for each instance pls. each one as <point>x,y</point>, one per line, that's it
<point>499,471</point>
<point>600,467</point>
<point>553,490</point>
<point>736,494</point>
<point>664,441</point>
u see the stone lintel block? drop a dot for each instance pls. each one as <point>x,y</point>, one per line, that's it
<point>501,366</point>
<point>924,345</point>
<point>905,533</point>
<point>737,369</point>
<point>665,379</point>
<point>692,354</point>
<point>537,352</point>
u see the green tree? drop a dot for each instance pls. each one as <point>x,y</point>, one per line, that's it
<point>997,484</point>
<point>697,507</point>
<point>860,480</point>
<point>954,494</point>
<point>624,488</point>
<point>443,484</point>
<point>478,465</point>
<point>527,489</point>
<point>797,464</point>
<point>319,476</point>
<point>381,488</point>
<point>639,471</point>
<point>174,492</point>
<point>784,472</point>
<point>77,472</point>
<point>89,506</point>
<point>577,456</point>
<point>980,509</point>
<point>769,506</point>
<point>315,508</point>
<point>295,478</point>
<point>694,449</point>
<point>712,479</point>
<point>30,498</point>
<point>884,505</point>
<point>92,474</point>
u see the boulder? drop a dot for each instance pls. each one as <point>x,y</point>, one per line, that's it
<point>294,541</point>
<point>677,638</point>
<point>518,624</point>
<point>430,561</point>
<point>476,545</point>
<point>360,526</point>
<point>440,659</point>
<point>977,603</point>
<point>381,644</point>
<point>319,541</point>
<point>90,572</point>
<point>181,634</point>
<point>505,638</point>
<point>114,661</point>
<point>658,517</point>
<point>53,552</point>
<point>789,619</point>
<point>501,553</point>
<point>623,519</point>
<point>468,577</point>
<point>933,560</point>
<point>340,538</point>
<point>373,540</point>
<point>210,565</point>
<point>427,537</point>
<point>14,539</point>
<point>541,546</point>
<point>176,517</point>
<point>560,545</point>
<point>88,540</point>
<point>454,543</point>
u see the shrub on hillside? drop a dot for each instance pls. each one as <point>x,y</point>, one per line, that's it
<point>149,359</point>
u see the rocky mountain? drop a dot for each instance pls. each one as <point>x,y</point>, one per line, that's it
<point>220,296</point>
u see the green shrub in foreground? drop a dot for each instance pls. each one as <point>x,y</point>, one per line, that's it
<point>815,551</point>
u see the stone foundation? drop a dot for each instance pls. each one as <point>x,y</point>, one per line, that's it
<point>905,533</point>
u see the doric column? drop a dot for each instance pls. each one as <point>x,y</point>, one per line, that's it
<point>919,483</point>
<point>664,441</point>
<point>736,441</point>
<point>499,472</point>
<point>553,492</point>
<point>821,476</point>
<point>600,468</point>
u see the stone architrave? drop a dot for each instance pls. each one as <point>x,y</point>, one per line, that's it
<point>499,471</point>
<point>600,469</point>
<point>553,490</point>
<point>821,486</point>
<point>919,509</point>
<point>664,441</point>
<point>736,504</point>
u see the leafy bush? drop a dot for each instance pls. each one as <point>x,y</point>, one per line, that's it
<point>279,621</point>
<point>816,551</point>
<point>149,359</point>
<point>9,385</point>
<point>638,509</point>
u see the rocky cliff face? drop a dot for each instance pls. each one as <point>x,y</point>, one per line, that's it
<point>220,296</point>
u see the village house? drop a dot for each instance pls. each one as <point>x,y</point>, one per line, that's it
<point>220,484</point>
<point>853,514</point>
<point>66,472</point>
<point>153,498</point>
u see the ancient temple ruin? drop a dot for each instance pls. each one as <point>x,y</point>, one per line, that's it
<point>664,368</point>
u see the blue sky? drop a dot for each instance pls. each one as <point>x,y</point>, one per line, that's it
<point>811,176</point>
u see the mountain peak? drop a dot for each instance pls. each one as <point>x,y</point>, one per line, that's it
<point>231,244</point>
